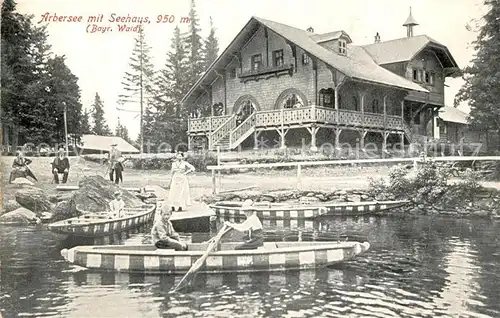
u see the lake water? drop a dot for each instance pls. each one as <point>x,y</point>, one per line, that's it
<point>420,267</point>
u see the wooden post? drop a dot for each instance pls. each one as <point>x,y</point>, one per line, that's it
<point>218,171</point>
<point>214,184</point>
<point>385,111</point>
<point>299,183</point>
<point>256,140</point>
<point>337,141</point>
<point>384,143</point>
<point>313,131</point>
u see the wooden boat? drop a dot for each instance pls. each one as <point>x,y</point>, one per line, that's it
<point>270,211</point>
<point>273,256</point>
<point>196,218</point>
<point>284,211</point>
<point>99,224</point>
<point>363,207</point>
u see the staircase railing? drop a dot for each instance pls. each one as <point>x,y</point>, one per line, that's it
<point>222,131</point>
<point>241,130</point>
<point>407,131</point>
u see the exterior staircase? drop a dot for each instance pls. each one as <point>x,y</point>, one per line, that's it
<point>224,143</point>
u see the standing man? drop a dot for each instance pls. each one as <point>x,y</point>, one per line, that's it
<point>115,165</point>
<point>60,165</point>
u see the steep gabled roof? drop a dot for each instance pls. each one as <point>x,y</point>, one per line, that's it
<point>405,49</point>
<point>357,64</point>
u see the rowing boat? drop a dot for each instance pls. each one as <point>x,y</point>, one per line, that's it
<point>99,224</point>
<point>272,256</point>
<point>363,207</point>
<point>284,211</point>
<point>269,211</point>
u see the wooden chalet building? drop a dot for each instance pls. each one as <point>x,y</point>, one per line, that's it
<point>285,83</point>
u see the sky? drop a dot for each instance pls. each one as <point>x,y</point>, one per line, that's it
<point>100,59</point>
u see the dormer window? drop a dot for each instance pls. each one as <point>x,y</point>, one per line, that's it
<point>342,47</point>
<point>256,62</point>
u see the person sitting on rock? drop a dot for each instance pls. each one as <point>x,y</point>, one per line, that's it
<point>20,168</point>
<point>252,224</point>
<point>116,206</point>
<point>60,165</point>
<point>163,233</point>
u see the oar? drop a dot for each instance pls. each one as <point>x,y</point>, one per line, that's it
<point>199,263</point>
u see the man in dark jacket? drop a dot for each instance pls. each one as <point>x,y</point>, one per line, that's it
<point>60,165</point>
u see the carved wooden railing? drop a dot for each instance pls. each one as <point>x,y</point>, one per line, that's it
<point>247,126</point>
<point>222,131</point>
<point>325,114</point>
<point>206,124</point>
<point>225,126</point>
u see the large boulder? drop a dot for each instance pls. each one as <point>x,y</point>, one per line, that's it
<point>62,211</point>
<point>9,205</point>
<point>95,193</point>
<point>20,216</point>
<point>34,199</point>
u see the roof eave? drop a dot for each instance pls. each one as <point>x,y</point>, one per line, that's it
<point>423,90</point>
<point>211,67</point>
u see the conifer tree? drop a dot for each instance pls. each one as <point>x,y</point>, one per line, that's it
<point>481,89</point>
<point>211,46</point>
<point>194,45</point>
<point>138,84</point>
<point>171,122</point>
<point>100,126</point>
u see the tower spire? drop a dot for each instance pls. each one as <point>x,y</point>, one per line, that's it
<point>409,24</point>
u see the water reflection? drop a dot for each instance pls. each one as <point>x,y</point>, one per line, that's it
<point>424,267</point>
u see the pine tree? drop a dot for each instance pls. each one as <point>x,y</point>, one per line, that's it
<point>122,131</point>
<point>194,47</point>
<point>65,93</point>
<point>138,84</point>
<point>24,52</point>
<point>100,126</point>
<point>171,118</point>
<point>85,124</point>
<point>482,79</point>
<point>211,47</point>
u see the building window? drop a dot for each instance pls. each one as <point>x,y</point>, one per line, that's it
<point>278,58</point>
<point>421,75</point>
<point>427,77</point>
<point>415,75</point>
<point>293,101</point>
<point>232,73</point>
<point>305,59</point>
<point>326,97</point>
<point>342,47</point>
<point>218,109</point>
<point>256,62</point>
<point>432,78</point>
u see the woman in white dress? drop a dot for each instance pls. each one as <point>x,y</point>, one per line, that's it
<point>179,197</point>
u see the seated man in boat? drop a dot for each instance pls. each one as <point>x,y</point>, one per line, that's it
<point>60,165</point>
<point>163,233</point>
<point>116,206</point>
<point>252,224</point>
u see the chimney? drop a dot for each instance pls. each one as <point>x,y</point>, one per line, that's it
<point>409,24</point>
<point>310,29</point>
<point>377,38</point>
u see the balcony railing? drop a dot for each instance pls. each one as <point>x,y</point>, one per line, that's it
<point>302,115</point>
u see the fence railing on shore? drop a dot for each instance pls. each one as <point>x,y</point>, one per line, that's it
<point>299,164</point>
